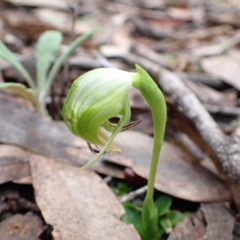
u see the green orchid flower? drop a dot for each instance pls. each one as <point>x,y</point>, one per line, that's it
<point>101,95</point>
<point>93,99</point>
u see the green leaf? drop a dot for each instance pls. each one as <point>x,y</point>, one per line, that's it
<point>163,204</point>
<point>121,188</point>
<point>133,216</point>
<point>175,217</point>
<point>61,60</point>
<point>46,48</point>
<point>6,55</point>
<point>166,224</point>
<point>19,89</point>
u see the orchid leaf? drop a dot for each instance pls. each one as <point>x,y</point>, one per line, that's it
<point>46,48</point>
<point>6,55</point>
<point>61,60</point>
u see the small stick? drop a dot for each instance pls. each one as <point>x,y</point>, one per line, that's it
<point>72,35</point>
<point>107,179</point>
<point>130,196</point>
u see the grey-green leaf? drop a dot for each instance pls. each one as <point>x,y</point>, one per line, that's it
<point>6,55</point>
<point>46,48</point>
<point>19,89</point>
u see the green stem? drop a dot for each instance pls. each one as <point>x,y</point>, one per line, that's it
<point>155,99</point>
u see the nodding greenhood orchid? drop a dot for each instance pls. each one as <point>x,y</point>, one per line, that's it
<point>93,99</point>
<point>102,94</point>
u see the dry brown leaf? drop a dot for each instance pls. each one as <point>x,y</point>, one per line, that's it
<point>213,50</point>
<point>211,222</point>
<point>177,174</point>
<point>234,53</point>
<point>224,67</point>
<point>78,204</point>
<point>24,180</point>
<point>24,26</point>
<point>61,20</point>
<point>57,4</point>
<point>180,13</point>
<point>21,227</point>
<point>121,29</point>
<point>13,163</point>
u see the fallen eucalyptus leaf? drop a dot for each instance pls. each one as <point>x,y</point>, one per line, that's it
<point>13,163</point>
<point>21,227</point>
<point>225,67</point>
<point>80,199</point>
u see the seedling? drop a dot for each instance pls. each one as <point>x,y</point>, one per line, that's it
<point>46,48</point>
<point>102,94</point>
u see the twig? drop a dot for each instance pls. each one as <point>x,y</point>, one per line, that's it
<point>207,32</point>
<point>141,50</point>
<point>130,196</point>
<point>217,49</point>
<point>223,150</point>
<point>84,63</point>
<point>203,78</point>
<point>224,110</point>
<point>107,179</point>
<point>102,60</point>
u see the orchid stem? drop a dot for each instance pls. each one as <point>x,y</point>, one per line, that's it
<point>155,99</point>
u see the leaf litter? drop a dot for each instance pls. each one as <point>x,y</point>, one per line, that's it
<point>200,49</point>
